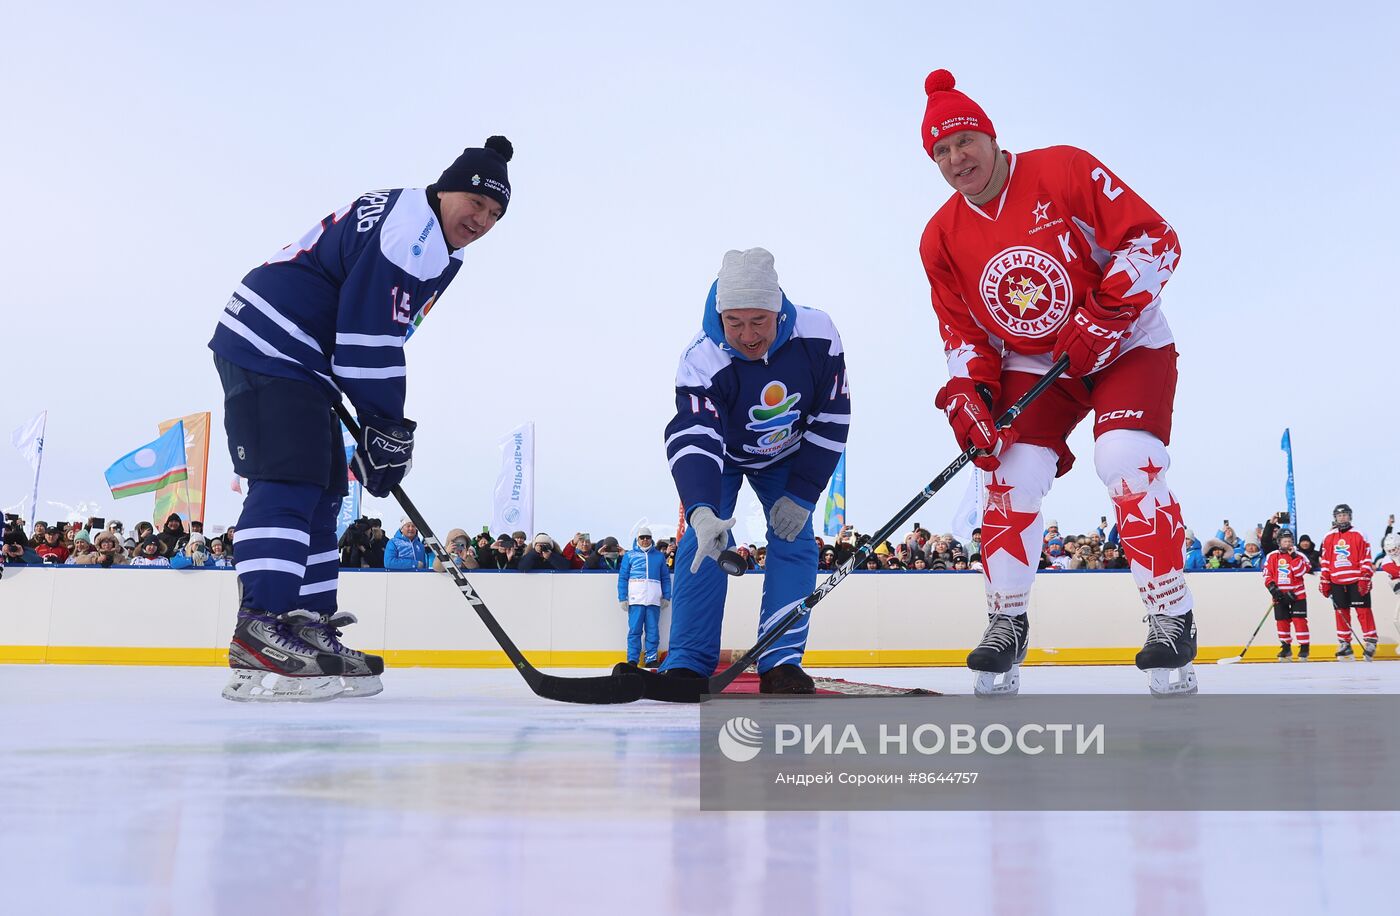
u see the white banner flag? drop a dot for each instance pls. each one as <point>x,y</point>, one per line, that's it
<point>29,439</point>
<point>969,513</point>
<point>513,505</point>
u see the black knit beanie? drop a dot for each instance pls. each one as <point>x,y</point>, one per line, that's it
<point>481,171</point>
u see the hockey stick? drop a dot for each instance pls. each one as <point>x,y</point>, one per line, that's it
<point>618,687</point>
<point>1238,658</point>
<point>690,690</point>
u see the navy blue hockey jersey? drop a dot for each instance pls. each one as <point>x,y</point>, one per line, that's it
<point>735,413</point>
<point>336,306</point>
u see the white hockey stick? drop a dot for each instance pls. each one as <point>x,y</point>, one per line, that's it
<point>1239,658</point>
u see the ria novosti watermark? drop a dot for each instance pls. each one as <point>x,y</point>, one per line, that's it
<point>1051,753</point>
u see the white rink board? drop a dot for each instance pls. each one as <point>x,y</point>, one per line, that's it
<point>872,618</point>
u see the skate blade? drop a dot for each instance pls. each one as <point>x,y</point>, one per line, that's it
<point>368,685</point>
<point>1173,682</point>
<point>249,686</point>
<point>991,684</point>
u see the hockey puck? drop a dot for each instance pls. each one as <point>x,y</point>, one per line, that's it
<point>732,563</point>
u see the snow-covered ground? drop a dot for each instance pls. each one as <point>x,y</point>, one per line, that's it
<point>140,790</point>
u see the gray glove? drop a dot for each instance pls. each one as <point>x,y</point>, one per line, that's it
<point>711,535</point>
<point>665,603</point>
<point>625,606</point>
<point>787,519</point>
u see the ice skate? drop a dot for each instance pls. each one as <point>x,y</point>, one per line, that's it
<point>1168,653</point>
<point>786,679</point>
<point>997,659</point>
<point>1344,653</point>
<point>1303,652</point>
<point>651,663</point>
<point>1368,650</point>
<point>361,674</point>
<point>1285,654</point>
<point>272,664</point>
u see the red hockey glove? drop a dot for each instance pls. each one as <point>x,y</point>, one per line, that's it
<point>1092,336</point>
<point>1363,585</point>
<point>1325,587</point>
<point>969,409</point>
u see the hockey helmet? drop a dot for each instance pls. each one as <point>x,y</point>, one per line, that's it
<point>1285,533</point>
<point>1342,509</point>
<point>1391,545</point>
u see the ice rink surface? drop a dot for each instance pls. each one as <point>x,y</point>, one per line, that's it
<point>140,790</point>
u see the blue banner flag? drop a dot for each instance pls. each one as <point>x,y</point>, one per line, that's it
<point>836,500</point>
<point>350,505</point>
<point>1287,446</point>
<point>151,466</point>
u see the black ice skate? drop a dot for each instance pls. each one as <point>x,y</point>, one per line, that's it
<point>1168,653</point>
<point>1285,654</point>
<point>1303,652</point>
<point>1368,650</point>
<point>271,663</point>
<point>362,670</point>
<point>997,659</point>
<point>786,679</point>
<point>1344,653</point>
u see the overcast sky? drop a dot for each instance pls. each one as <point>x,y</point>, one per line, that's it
<point>154,153</point>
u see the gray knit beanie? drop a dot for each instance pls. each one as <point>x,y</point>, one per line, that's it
<point>748,280</point>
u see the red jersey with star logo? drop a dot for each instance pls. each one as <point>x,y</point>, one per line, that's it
<point>1006,276</point>
<point>1346,557</point>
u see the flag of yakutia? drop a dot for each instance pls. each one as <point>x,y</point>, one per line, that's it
<point>151,466</point>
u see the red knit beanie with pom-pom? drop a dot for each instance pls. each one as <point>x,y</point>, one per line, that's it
<point>949,111</point>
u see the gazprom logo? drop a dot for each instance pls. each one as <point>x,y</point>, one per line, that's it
<point>740,739</point>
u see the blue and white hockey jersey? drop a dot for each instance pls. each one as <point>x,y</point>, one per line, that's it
<point>336,306</point>
<point>735,413</point>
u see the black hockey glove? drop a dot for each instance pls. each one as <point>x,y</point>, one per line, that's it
<point>1275,591</point>
<point>384,453</point>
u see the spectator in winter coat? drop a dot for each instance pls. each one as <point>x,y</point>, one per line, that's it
<point>172,535</point>
<point>1195,556</point>
<point>607,556</point>
<point>149,554</point>
<point>218,557</point>
<point>504,554</point>
<point>52,546</point>
<point>1219,555</point>
<point>643,590</point>
<point>82,547</point>
<point>459,546</point>
<point>1308,549</point>
<point>1112,559</point>
<point>405,550</point>
<point>1227,534</point>
<point>544,556</point>
<point>1252,557</point>
<point>17,551</point>
<point>194,556</point>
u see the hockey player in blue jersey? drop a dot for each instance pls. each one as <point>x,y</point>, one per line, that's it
<point>760,394</point>
<point>325,316</point>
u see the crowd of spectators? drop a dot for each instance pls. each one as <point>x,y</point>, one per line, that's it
<point>366,545</point>
<point>101,543</point>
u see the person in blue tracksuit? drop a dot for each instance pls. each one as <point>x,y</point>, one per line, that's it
<point>761,394</point>
<point>643,590</point>
<point>328,316</point>
<point>405,549</point>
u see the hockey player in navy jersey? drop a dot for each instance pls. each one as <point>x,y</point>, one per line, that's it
<point>325,316</point>
<point>761,393</point>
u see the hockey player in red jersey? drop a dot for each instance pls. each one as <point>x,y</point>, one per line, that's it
<point>1042,254</point>
<point>1284,569</point>
<point>1346,579</point>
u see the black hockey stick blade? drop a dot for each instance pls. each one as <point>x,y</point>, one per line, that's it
<point>618,687</point>
<point>691,690</point>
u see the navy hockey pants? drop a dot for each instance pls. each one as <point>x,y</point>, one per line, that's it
<point>697,600</point>
<point>284,437</point>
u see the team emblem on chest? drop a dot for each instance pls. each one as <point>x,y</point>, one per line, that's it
<point>773,417</point>
<point>1027,292</point>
